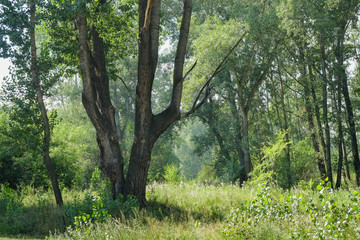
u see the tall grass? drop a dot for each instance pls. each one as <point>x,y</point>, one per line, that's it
<point>185,211</point>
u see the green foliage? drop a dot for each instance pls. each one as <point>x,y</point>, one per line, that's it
<point>303,165</point>
<point>95,180</point>
<point>263,171</point>
<point>320,217</point>
<point>28,211</point>
<point>74,149</point>
<point>171,174</point>
<point>163,154</point>
<point>207,48</point>
<point>206,174</point>
<point>98,214</point>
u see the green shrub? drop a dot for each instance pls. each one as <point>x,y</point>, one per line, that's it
<point>171,174</point>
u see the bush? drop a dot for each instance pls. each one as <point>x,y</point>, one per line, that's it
<point>171,174</point>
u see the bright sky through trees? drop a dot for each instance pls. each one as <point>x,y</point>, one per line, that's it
<point>4,69</point>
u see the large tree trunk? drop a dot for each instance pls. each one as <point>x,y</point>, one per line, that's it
<point>149,127</point>
<point>97,103</point>
<point>45,120</point>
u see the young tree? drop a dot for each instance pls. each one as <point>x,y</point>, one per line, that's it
<point>18,27</point>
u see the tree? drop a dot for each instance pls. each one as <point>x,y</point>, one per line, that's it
<point>345,14</point>
<point>246,69</point>
<point>19,44</point>
<point>40,98</point>
<point>96,97</point>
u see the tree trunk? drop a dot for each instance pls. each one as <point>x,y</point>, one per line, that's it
<point>320,160</point>
<point>317,115</point>
<point>346,162</point>
<point>350,114</point>
<point>274,94</point>
<point>340,136</point>
<point>309,111</point>
<point>97,103</point>
<point>325,112</point>
<point>45,120</point>
<point>149,127</point>
<point>286,128</point>
<point>238,139</point>
<point>245,142</point>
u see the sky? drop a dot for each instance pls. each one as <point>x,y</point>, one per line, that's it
<point>4,69</point>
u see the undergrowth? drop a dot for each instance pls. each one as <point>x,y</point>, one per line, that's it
<point>307,215</point>
<point>184,210</point>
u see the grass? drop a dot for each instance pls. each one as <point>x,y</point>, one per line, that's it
<point>184,211</point>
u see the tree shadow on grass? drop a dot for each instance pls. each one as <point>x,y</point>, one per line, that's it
<point>175,213</point>
<point>30,222</point>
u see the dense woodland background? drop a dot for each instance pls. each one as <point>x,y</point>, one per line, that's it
<point>262,91</point>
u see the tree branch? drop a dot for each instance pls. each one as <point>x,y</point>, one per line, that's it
<point>219,68</point>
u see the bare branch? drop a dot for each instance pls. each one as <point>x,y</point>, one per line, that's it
<point>122,80</point>
<point>196,105</point>
<point>189,71</point>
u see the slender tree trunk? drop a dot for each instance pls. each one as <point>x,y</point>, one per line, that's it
<point>309,111</point>
<point>317,113</point>
<point>345,91</point>
<point>245,142</point>
<point>39,95</point>
<point>273,92</point>
<point>286,128</point>
<point>325,112</point>
<point>238,139</point>
<point>340,137</point>
<point>346,162</point>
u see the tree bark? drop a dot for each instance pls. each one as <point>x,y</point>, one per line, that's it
<point>286,128</point>
<point>97,103</point>
<point>325,111</point>
<point>149,127</point>
<point>310,118</point>
<point>239,138</point>
<point>340,135</point>
<point>346,162</point>
<point>245,142</point>
<point>45,120</point>
<point>317,114</point>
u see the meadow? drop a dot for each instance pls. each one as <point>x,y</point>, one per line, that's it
<point>187,210</point>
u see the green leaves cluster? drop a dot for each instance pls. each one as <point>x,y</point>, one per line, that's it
<point>263,171</point>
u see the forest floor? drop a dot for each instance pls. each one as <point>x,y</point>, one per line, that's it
<point>185,211</point>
